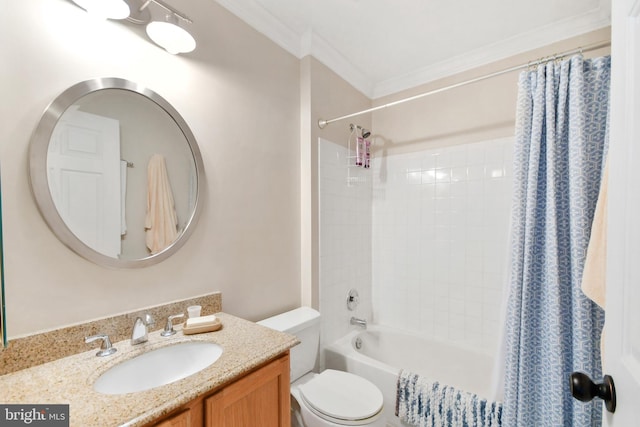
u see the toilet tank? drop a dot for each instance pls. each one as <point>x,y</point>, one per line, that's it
<point>304,323</point>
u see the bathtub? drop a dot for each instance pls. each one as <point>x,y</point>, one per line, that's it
<point>384,351</point>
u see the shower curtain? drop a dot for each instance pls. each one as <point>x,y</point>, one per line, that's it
<point>552,328</point>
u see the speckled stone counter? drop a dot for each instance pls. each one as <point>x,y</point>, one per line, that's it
<point>32,350</point>
<point>69,380</point>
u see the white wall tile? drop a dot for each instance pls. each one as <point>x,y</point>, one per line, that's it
<point>461,237</point>
<point>345,239</point>
<point>430,232</point>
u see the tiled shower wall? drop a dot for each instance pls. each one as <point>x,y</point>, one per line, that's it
<point>421,236</point>
<point>345,239</point>
<point>440,235</point>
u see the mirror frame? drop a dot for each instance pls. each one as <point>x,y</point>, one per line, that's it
<point>3,314</point>
<point>38,150</point>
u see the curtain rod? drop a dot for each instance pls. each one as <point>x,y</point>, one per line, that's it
<point>322,123</point>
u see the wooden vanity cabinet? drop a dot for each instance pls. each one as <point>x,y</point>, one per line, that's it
<point>183,419</point>
<point>260,398</point>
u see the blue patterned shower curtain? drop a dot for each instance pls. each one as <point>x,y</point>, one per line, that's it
<point>552,328</point>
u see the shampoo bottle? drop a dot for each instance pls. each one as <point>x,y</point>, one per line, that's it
<point>367,153</point>
<point>360,151</point>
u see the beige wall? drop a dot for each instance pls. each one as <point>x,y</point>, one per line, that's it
<point>254,110</point>
<point>324,95</point>
<point>477,112</point>
<point>238,92</point>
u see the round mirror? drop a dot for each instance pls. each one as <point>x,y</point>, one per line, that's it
<point>116,173</point>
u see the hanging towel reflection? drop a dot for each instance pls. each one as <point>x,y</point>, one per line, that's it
<point>161,219</point>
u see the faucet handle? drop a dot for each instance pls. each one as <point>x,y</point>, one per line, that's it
<point>168,327</point>
<point>106,348</point>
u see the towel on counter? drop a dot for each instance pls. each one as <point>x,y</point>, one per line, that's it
<point>594,273</point>
<point>161,219</point>
<point>422,403</point>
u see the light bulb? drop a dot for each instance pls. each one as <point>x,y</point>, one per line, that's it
<point>173,38</point>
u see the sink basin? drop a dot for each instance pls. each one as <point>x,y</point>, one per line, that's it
<point>158,367</point>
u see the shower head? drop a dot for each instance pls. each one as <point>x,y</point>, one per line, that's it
<point>365,133</point>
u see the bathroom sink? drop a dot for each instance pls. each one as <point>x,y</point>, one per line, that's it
<point>158,367</point>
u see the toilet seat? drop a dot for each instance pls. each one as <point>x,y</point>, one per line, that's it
<point>342,398</point>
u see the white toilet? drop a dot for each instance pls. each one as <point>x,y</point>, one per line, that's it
<point>331,398</point>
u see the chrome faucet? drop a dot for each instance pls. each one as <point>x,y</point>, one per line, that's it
<point>359,322</point>
<point>140,332</point>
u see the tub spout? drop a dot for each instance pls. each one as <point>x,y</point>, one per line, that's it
<point>359,322</point>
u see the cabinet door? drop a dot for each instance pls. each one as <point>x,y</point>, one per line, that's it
<point>183,419</point>
<point>258,399</point>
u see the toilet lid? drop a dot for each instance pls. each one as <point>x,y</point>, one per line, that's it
<point>342,395</point>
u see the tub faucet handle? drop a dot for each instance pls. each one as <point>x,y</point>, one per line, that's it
<point>168,327</point>
<point>352,299</point>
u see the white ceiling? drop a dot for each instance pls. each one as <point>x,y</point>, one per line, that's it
<point>384,46</point>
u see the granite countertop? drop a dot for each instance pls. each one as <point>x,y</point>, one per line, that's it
<point>69,380</point>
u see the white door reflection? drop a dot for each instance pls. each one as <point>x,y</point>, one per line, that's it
<point>84,171</point>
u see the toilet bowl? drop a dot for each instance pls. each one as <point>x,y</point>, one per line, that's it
<point>335,398</point>
<point>330,398</point>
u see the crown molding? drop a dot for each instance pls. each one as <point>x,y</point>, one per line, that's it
<point>334,60</point>
<point>309,43</point>
<point>595,19</point>
<point>265,23</point>
<point>298,45</point>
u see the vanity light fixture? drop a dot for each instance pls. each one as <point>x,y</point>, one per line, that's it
<point>170,35</point>
<point>166,33</point>
<point>105,9</point>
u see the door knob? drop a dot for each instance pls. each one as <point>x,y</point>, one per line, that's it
<point>584,389</point>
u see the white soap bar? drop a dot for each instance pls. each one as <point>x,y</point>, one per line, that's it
<point>202,320</point>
